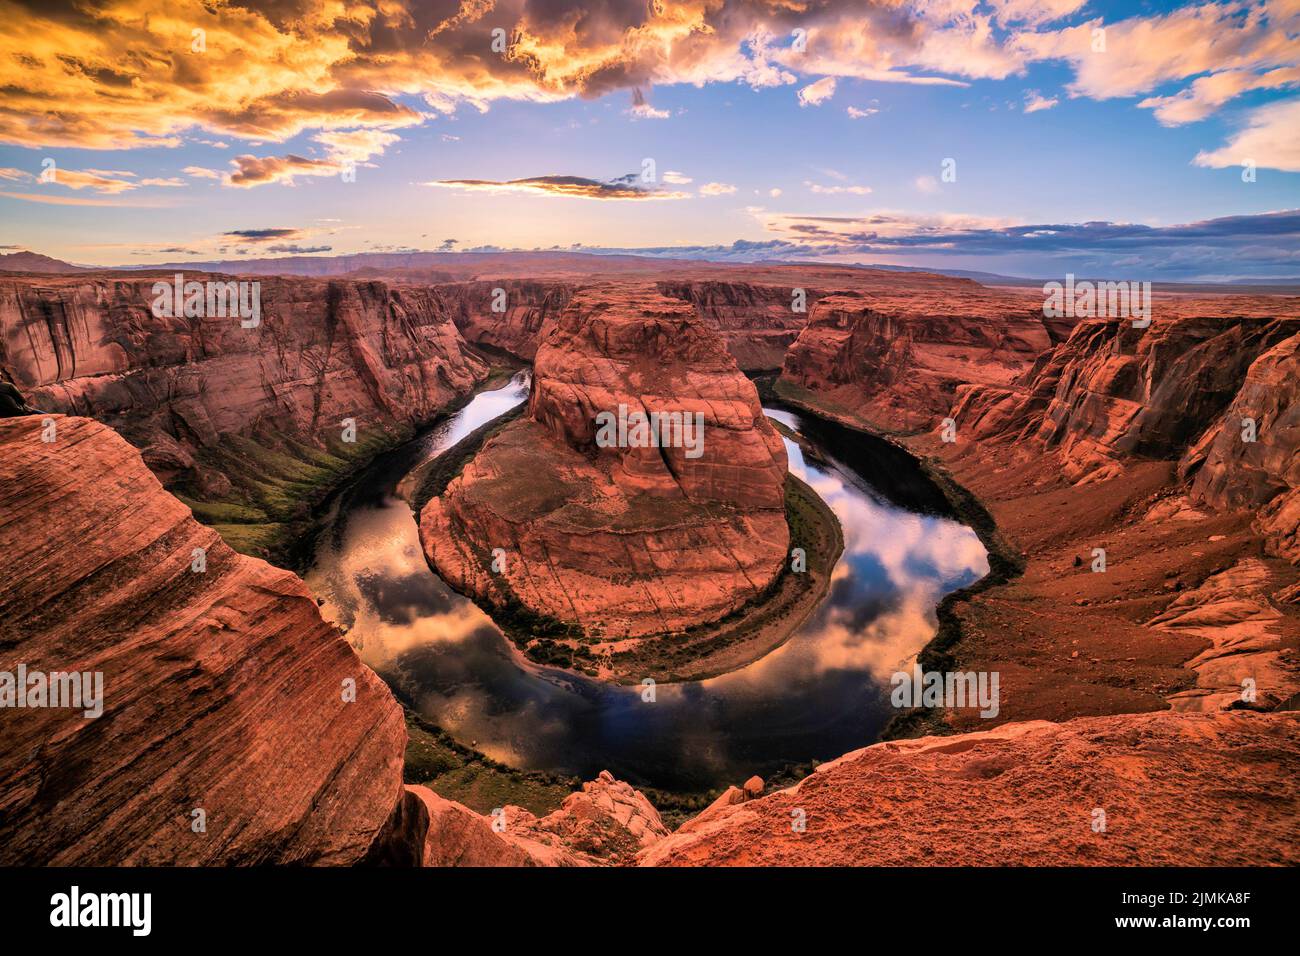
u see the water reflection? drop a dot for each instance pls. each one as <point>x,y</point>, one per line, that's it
<point>821,694</point>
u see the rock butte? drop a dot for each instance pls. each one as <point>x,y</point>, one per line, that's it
<point>223,688</point>
<point>621,541</point>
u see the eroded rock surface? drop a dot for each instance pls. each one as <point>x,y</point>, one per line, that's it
<point>1176,789</point>
<point>897,359</point>
<point>606,823</point>
<point>324,351</point>
<point>620,540</point>
<point>223,689</point>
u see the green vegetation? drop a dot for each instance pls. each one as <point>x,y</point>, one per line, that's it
<point>452,770</point>
<point>277,484</point>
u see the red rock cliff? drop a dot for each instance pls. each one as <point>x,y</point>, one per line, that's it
<point>324,351</point>
<point>223,689</point>
<point>897,359</point>
<point>624,540</point>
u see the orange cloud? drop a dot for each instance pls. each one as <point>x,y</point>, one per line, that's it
<point>111,74</point>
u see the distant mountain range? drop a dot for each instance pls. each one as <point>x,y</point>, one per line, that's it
<point>451,266</point>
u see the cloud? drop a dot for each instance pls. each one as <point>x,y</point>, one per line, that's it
<point>120,74</point>
<point>355,146</point>
<point>717,189</point>
<point>574,187</point>
<point>837,190</point>
<point>1034,12</point>
<point>1035,102</point>
<point>108,181</point>
<point>262,235</point>
<point>1270,139</point>
<point>273,70</point>
<point>297,249</point>
<point>926,184</point>
<point>855,113</point>
<point>1231,247</point>
<point>1208,93</point>
<point>201,172</point>
<point>674,178</point>
<point>815,94</point>
<point>50,199</point>
<point>1143,52</point>
<point>253,171</point>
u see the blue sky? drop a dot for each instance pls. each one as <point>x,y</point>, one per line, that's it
<point>746,145</point>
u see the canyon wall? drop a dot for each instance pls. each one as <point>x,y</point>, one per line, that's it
<point>323,351</point>
<point>757,323</point>
<point>620,540</point>
<point>897,360</point>
<point>517,330</point>
<point>237,727</point>
<point>248,423</point>
<point>1180,391</point>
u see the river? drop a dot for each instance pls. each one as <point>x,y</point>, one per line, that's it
<point>822,693</point>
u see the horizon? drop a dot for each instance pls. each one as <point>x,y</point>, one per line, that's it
<point>943,136</point>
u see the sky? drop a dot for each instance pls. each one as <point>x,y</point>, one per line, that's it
<point>1026,137</point>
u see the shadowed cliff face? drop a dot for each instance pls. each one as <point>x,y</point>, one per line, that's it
<point>323,351</point>
<point>757,323</point>
<point>620,539</point>
<point>223,689</point>
<point>510,319</point>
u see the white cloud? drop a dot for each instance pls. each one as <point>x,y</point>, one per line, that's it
<point>837,190</point>
<point>717,189</point>
<point>855,113</point>
<point>1271,140</point>
<point>1208,93</point>
<point>1035,102</point>
<point>815,94</point>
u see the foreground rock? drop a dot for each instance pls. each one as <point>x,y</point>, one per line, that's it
<point>223,689</point>
<point>1185,790</point>
<point>606,823</point>
<point>620,541</point>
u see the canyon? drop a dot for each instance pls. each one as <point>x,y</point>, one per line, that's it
<point>227,692</point>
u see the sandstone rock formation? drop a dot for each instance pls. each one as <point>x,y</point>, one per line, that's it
<point>756,322</point>
<point>897,360</point>
<point>518,329</point>
<point>1233,472</point>
<point>223,689</point>
<point>624,540</point>
<point>1176,789</point>
<point>606,823</point>
<point>249,419</point>
<point>1180,391</point>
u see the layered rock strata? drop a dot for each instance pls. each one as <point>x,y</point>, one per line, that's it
<point>898,361</point>
<point>321,352</point>
<point>630,539</point>
<point>235,725</point>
